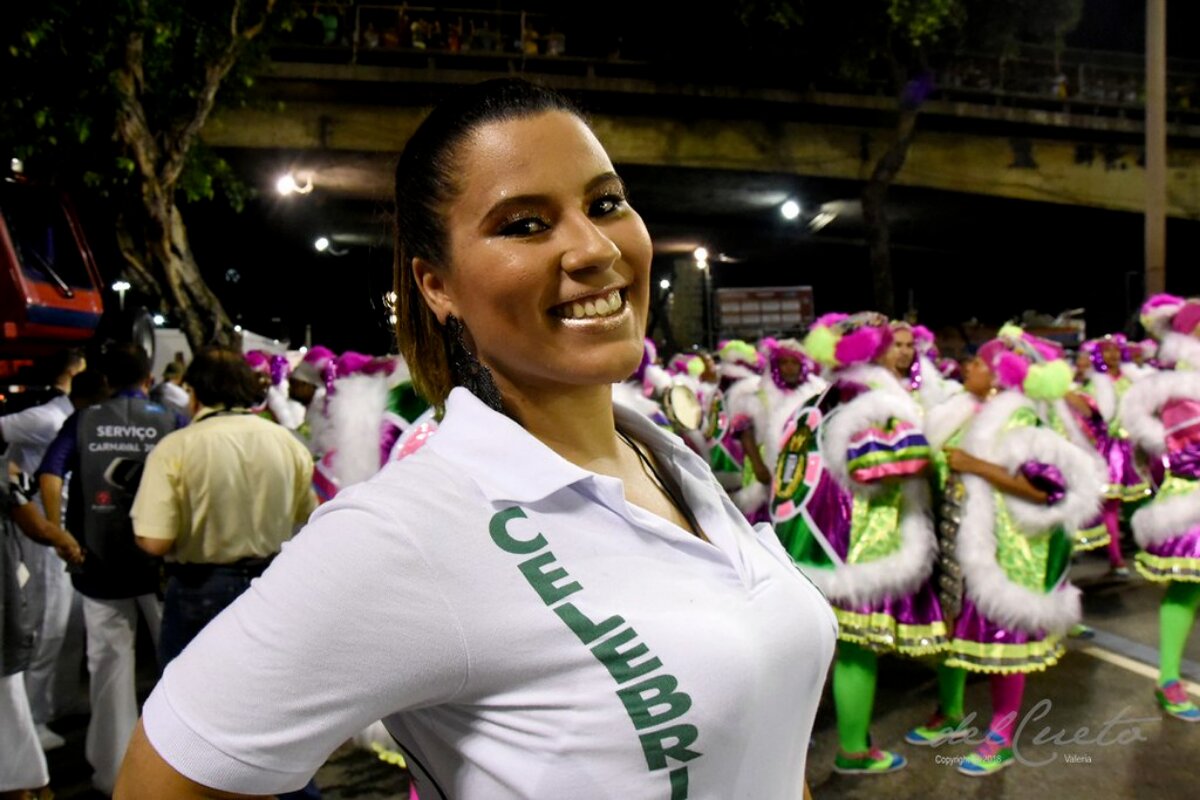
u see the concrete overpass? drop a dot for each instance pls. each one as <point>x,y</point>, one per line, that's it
<point>351,119</point>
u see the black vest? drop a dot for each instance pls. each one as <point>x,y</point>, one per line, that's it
<point>114,439</point>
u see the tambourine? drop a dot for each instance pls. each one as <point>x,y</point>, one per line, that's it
<point>683,407</point>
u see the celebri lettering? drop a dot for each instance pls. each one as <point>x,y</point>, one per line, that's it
<point>651,696</point>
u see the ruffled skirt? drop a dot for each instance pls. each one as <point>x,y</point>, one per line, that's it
<point>1176,559</point>
<point>983,645</point>
<point>911,625</point>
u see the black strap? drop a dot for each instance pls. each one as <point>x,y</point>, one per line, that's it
<point>667,484</point>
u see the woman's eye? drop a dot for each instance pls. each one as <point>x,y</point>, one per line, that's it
<point>606,205</point>
<point>524,226</point>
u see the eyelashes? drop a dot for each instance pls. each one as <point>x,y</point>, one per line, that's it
<point>531,222</point>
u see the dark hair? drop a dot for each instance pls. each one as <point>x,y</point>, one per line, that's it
<point>222,378</point>
<point>173,369</point>
<point>426,180</point>
<point>63,361</point>
<point>125,365</point>
<point>88,388</point>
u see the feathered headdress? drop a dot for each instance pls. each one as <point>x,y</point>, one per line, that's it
<point>841,340</point>
<point>1027,363</point>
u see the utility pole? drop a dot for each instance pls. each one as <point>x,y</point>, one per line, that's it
<point>1156,146</point>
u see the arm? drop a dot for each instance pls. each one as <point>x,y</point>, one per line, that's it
<point>31,523</point>
<point>144,774</point>
<point>1015,485</point>
<point>156,510</point>
<point>51,487</point>
<point>750,448</point>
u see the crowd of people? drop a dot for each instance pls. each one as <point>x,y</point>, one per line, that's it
<point>533,533</point>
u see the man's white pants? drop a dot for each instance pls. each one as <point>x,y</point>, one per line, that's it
<point>40,680</point>
<point>111,635</point>
<point>22,763</point>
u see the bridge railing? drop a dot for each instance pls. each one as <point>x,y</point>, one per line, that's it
<point>1069,80</point>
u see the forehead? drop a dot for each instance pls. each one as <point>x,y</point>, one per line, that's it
<point>534,154</point>
<point>902,335</point>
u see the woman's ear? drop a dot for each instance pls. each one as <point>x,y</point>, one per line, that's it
<point>433,288</point>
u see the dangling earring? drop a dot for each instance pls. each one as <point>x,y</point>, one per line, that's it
<point>467,370</point>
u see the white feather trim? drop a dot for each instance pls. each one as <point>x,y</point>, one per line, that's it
<point>658,378</point>
<point>1181,350</point>
<point>750,498</point>
<point>356,411</point>
<point>1144,401</point>
<point>1104,392</point>
<point>949,417</point>
<point>1084,471</point>
<point>1001,600</point>
<point>873,376</point>
<point>869,408</point>
<point>1165,519</point>
<point>894,575</point>
<point>935,388</point>
<point>630,395</point>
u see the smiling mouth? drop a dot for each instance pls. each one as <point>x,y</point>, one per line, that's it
<point>605,305</point>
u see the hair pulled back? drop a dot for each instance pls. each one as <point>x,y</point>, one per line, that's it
<point>426,181</point>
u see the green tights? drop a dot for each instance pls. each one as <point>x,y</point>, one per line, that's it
<point>854,674</point>
<point>1175,618</point>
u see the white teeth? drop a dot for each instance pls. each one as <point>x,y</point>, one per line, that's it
<point>600,307</point>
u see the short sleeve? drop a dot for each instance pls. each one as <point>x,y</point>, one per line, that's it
<point>156,512</point>
<point>346,627</point>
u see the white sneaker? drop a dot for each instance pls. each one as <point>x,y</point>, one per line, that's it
<point>48,739</point>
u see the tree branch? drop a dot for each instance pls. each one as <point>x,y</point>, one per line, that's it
<point>131,123</point>
<point>180,141</point>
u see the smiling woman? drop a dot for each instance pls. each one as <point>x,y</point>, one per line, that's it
<point>552,597</point>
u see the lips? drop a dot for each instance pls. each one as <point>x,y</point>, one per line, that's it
<point>592,307</point>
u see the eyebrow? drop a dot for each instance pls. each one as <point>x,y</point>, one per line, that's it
<point>534,199</point>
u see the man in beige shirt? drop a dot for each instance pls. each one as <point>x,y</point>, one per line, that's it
<point>220,497</point>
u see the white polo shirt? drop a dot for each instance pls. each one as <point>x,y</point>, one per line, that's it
<point>523,631</point>
<point>30,432</point>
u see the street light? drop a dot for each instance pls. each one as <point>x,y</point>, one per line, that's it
<point>287,184</point>
<point>159,320</point>
<point>121,287</point>
<point>701,254</point>
<point>790,210</point>
<point>321,244</point>
<point>664,284</point>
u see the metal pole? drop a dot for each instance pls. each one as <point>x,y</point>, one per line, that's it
<point>1156,146</point>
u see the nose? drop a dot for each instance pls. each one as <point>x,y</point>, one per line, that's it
<point>586,246</point>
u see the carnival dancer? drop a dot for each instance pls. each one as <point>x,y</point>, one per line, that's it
<point>1107,383</point>
<point>910,357</point>
<point>760,408</point>
<point>1015,488</point>
<point>647,383</point>
<point>851,506</point>
<point>693,401</point>
<point>739,366</point>
<point>1162,413</point>
<point>370,403</point>
<point>277,405</point>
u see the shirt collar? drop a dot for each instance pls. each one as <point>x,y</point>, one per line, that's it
<point>510,464</point>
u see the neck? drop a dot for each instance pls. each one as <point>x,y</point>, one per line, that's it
<point>63,385</point>
<point>577,423</point>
